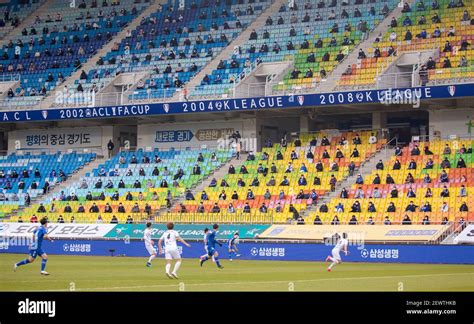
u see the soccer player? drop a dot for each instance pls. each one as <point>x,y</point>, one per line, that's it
<point>211,247</point>
<point>149,243</point>
<point>36,247</point>
<point>206,230</point>
<point>232,245</point>
<point>171,250</point>
<point>341,244</point>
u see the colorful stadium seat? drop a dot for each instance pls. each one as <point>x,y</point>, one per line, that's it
<point>139,182</point>
<point>58,44</point>
<point>33,171</point>
<point>421,183</point>
<point>279,202</point>
<point>454,26</point>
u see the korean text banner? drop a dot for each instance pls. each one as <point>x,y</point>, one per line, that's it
<point>192,231</point>
<point>360,232</point>
<point>56,230</point>
<point>370,253</point>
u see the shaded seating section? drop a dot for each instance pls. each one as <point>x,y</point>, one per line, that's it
<point>59,42</point>
<point>277,205</point>
<point>145,188</point>
<point>175,43</point>
<point>297,27</point>
<point>52,168</point>
<point>419,189</point>
<point>13,13</point>
<point>428,29</point>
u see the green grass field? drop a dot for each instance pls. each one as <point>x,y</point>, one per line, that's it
<point>82,273</point>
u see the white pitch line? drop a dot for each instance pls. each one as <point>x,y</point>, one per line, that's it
<point>257,282</point>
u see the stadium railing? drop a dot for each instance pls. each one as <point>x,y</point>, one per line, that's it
<point>383,81</point>
<point>452,137</point>
<point>9,77</point>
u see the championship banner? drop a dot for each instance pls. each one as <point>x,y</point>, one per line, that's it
<point>55,230</point>
<point>194,231</point>
<point>379,96</point>
<point>394,233</point>
<point>466,236</point>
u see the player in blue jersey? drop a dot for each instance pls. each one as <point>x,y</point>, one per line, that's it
<point>211,247</point>
<point>39,235</point>
<point>232,245</point>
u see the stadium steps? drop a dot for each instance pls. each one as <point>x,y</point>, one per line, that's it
<point>58,187</point>
<point>330,84</point>
<point>449,236</point>
<point>29,21</point>
<point>227,52</point>
<point>48,101</point>
<point>4,86</point>
<point>218,173</point>
<point>365,170</point>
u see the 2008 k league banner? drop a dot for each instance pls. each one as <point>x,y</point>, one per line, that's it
<point>399,95</point>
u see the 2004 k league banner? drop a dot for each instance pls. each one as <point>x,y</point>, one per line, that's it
<point>381,96</point>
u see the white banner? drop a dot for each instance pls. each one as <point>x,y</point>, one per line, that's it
<point>56,230</point>
<point>466,236</point>
<point>56,138</point>
<point>192,134</point>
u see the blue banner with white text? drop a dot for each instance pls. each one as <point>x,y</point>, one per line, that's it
<point>448,254</point>
<point>381,96</point>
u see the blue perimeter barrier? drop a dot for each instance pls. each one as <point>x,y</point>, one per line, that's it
<point>448,254</point>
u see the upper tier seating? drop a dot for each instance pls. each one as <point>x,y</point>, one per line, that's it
<point>14,12</point>
<point>436,199</point>
<point>145,190</point>
<point>58,44</point>
<point>284,37</point>
<point>175,43</point>
<point>423,28</point>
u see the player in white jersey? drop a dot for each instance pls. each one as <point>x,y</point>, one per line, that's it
<point>341,244</point>
<point>149,243</point>
<point>205,241</point>
<point>170,237</point>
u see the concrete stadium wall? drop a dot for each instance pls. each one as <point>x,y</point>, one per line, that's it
<point>448,122</point>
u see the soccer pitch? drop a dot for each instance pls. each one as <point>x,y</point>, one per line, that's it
<point>86,273</point>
